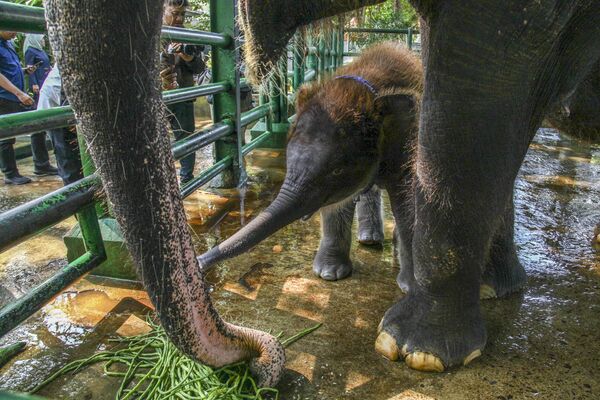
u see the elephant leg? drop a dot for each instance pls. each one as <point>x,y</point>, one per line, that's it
<point>503,272</point>
<point>370,217</point>
<point>332,261</point>
<point>401,202</point>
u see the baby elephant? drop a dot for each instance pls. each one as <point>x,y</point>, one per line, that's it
<point>352,132</point>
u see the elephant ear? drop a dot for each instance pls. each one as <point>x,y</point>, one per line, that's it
<point>397,103</point>
<point>305,93</point>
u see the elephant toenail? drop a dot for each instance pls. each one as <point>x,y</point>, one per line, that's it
<point>387,347</point>
<point>487,292</point>
<point>472,356</point>
<point>424,362</point>
<point>328,276</point>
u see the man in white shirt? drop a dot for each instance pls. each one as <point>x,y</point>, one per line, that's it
<point>66,148</point>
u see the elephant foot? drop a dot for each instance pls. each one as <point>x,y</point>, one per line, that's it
<point>502,280</point>
<point>429,336</point>
<point>370,235</point>
<point>331,265</point>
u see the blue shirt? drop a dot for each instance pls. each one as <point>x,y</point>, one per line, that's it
<point>32,56</point>
<point>10,67</point>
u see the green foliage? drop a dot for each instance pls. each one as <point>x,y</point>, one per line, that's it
<point>33,3</point>
<point>396,14</point>
<point>199,16</point>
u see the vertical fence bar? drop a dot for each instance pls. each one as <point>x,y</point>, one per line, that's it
<point>90,230</point>
<point>238,162</point>
<point>409,39</point>
<point>321,60</point>
<point>298,61</point>
<point>283,99</point>
<point>222,16</point>
<point>89,168</point>
<point>333,49</point>
<point>341,45</point>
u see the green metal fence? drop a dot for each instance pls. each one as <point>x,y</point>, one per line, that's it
<point>309,58</point>
<point>408,34</point>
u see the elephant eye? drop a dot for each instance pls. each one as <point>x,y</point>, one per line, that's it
<point>337,171</point>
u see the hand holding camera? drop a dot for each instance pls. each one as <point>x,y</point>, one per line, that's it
<point>168,78</point>
<point>186,51</point>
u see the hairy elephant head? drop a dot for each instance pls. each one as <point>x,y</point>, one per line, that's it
<point>333,152</point>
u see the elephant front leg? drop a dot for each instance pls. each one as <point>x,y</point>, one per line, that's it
<point>438,323</point>
<point>503,272</point>
<point>370,218</point>
<point>332,261</point>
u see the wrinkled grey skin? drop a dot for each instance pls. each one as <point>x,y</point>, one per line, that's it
<point>493,70</point>
<point>578,114</point>
<point>369,211</point>
<point>332,261</point>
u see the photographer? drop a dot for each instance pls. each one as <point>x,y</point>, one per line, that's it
<point>178,64</point>
<point>13,99</point>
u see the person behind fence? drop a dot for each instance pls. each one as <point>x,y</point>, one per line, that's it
<point>178,65</point>
<point>35,56</point>
<point>33,50</point>
<point>64,140</point>
<point>13,99</point>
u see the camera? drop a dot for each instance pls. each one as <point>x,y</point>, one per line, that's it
<point>187,49</point>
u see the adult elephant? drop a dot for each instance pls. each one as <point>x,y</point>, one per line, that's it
<point>492,71</point>
<point>108,54</point>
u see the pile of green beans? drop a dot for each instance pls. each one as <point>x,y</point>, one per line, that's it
<point>151,367</point>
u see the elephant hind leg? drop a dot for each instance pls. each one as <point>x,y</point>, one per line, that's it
<point>370,218</point>
<point>503,273</point>
<point>332,261</point>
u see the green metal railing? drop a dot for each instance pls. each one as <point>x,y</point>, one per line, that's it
<point>409,32</point>
<point>310,59</point>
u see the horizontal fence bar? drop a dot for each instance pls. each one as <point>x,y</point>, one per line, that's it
<point>255,143</point>
<point>310,75</point>
<point>26,220</point>
<point>28,122</point>
<point>201,138</point>
<point>21,18</point>
<point>255,114</point>
<point>351,54</point>
<point>19,310</point>
<point>206,176</point>
<point>192,36</point>
<point>403,31</point>
<point>191,93</point>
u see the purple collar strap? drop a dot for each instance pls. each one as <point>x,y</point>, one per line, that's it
<point>362,81</point>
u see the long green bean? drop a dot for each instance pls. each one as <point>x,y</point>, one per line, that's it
<point>150,367</point>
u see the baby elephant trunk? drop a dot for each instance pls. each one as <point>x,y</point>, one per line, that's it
<point>285,209</point>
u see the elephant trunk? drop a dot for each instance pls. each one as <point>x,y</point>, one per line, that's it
<point>112,85</point>
<point>285,209</point>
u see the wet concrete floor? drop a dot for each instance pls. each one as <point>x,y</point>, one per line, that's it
<point>543,343</point>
